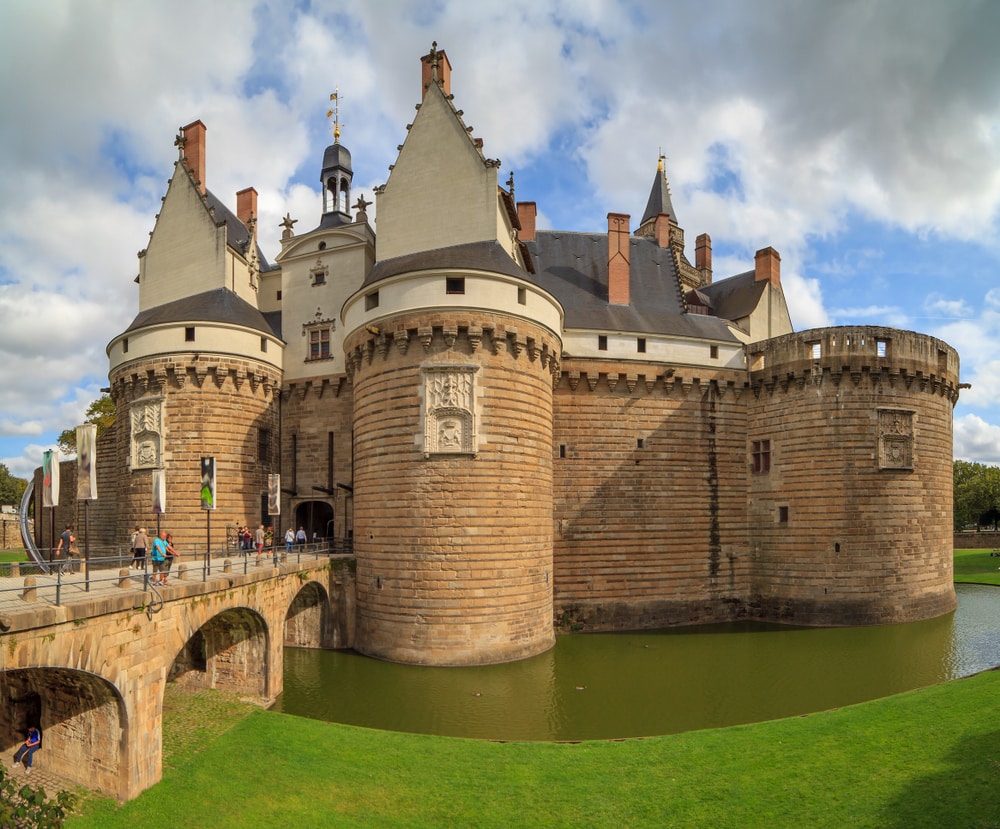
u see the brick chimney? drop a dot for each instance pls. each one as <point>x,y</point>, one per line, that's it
<point>246,204</point>
<point>194,151</point>
<point>703,257</point>
<point>435,59</point>
<point>527,212</point>
<point>618,258</point>
<point>767,266</point>
<point>661,230</point>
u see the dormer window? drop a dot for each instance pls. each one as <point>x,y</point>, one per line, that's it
<point>319,273</point>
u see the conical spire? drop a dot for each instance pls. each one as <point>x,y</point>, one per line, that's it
<point>659,197</point>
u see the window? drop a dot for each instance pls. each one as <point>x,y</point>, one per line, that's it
<point>125,345</point>
<point>815,350</point>
<point>319,277</point>
<point>263,343</point>
<point>713,352</point>
<point>371,300</point>
<point>640,345</point>
<point>761,457</point>
<point>522,296</point>
<point>189,334</point>
<point>783,515</point>
<point>881,348</point>
<point>264,445</point>
<point>602,342</point>
<point>278,297</point>
<point>562,450</point>
<point>640,443</point>
<point>319,343</point>
<point>454,285</point>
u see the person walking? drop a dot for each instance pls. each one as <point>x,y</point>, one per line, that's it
<point>67,547</point>
<point>140,545</point>
<point>300,538</point>
<point>258,540</point>
<point>28,748</point>
<point>159,558</point>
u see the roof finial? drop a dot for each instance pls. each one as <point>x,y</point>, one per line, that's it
<point>510,184</point>
<point>434,60</point>
<point>659,161</point>
<point>335,114</point>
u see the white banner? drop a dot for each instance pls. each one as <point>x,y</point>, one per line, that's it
<point>86,462</point>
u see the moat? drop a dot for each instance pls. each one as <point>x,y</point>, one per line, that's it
<point>601,686</point>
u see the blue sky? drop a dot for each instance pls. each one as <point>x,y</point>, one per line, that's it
<point>860,139</point>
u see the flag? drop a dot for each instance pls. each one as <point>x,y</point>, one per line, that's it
<point>86,462</point>
<point>50,479</point>
<point>159,491</point>
<point>208,483</point>
<point>273,494</point>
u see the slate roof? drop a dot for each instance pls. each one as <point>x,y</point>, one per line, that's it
<point>483,256</point>
<point>736,297</point>
<point>659,199</point>
<point>573,267</point>
<point>236,232</point>
<point>219,305</point>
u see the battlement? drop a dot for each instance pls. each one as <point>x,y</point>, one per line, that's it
<point>874,352</point>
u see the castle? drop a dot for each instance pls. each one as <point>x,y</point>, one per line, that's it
<point>524,430</point>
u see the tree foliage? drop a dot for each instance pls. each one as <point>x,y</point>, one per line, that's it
<point>24,806</point>
<point>11,488</point>
<point>977,494</point>
<point>101,412</point>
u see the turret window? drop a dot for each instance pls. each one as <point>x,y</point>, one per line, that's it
<point>454,285</point>
<point>189,334</point>
<point>602,342</point>
<point>371,300</point>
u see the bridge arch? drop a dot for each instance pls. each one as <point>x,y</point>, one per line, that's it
<point>83,718</point>
<point>229,652</point>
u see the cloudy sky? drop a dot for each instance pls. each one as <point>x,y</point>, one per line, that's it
<point>860,139</point>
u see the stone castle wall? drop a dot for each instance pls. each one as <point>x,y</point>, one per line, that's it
<point>649,495</point>
<point>852,522</point>
<point>453,482</point>
<point>171,413</point>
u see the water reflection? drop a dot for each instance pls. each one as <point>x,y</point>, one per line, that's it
<point>626,685</point>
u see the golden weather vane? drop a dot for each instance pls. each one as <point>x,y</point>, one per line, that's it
<point>334,113</point>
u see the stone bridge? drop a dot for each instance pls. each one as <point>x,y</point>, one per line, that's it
<point>92,669</point>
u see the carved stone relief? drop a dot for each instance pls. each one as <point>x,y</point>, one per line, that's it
<point>146,420</point>
<point>449,414</point>
<point>895,439</point>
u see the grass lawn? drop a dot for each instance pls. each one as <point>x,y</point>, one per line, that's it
<point>13,555</point>
<point>928,758</point>
<point>976,567</point>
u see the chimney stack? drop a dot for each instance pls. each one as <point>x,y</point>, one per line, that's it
<point>767,266</point>
<point>661,229</point>
<point>703,257</point>
<point>194,151</point>
<point>527,212</point>
<point>246,205</point>
<point>435,66</point>
<point>618,258</point>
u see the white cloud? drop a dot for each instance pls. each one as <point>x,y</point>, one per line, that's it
<point>976,440</point>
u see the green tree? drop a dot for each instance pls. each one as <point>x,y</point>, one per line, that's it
<point>977,491</point>
<point>11,488</point>
<point>101,412</point>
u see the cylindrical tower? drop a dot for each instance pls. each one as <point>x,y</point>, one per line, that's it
<point>850,453</point>
<point>177,404</point>
<point>452,373</point>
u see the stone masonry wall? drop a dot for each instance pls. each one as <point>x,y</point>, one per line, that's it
<point>454,550</point>
<point>852,524</point>
<point>213,406</point>
<point>649,496</point>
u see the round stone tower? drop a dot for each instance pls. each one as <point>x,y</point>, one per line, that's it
<point>850,510</point>
<point>453,458</point>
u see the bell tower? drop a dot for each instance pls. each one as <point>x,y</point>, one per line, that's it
<point>336,174</point>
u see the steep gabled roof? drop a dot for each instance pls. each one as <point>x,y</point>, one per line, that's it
<point>659,198</point>
<point>237,234</point>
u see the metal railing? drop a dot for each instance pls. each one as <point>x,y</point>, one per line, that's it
<point>58,579</point>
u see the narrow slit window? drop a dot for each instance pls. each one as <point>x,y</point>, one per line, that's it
<point>713,352</point>
<point>602,342</point>
<point>125,345</point>
<point>782,515</point>
<point>640,345</point>
<point>522,296</point>
<point>189,334</point>
<point>562,450</point>
<point>371,300</point>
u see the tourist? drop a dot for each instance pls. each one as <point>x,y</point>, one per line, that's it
<point>258,540</point>
<point>137,563</point>
<point>289,540</point>
<point>300,537</point>
<point>28,749</point>
<point>67,545</point>
<point>171,554</point>
<point>247,539</point>
<point>139,547</point>
<point>159,558</point>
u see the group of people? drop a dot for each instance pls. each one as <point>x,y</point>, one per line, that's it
<point>162,556</point>
<point>250,541</point>
<point>292,538</point>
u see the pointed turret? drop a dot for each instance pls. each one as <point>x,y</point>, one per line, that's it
<point>659,197</point>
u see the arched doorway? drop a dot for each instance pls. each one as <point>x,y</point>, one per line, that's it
<point>316,517</point>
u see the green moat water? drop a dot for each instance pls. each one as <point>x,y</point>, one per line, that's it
<point>600,686</point>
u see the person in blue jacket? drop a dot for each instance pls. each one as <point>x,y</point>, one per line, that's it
<point>28,749</point>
